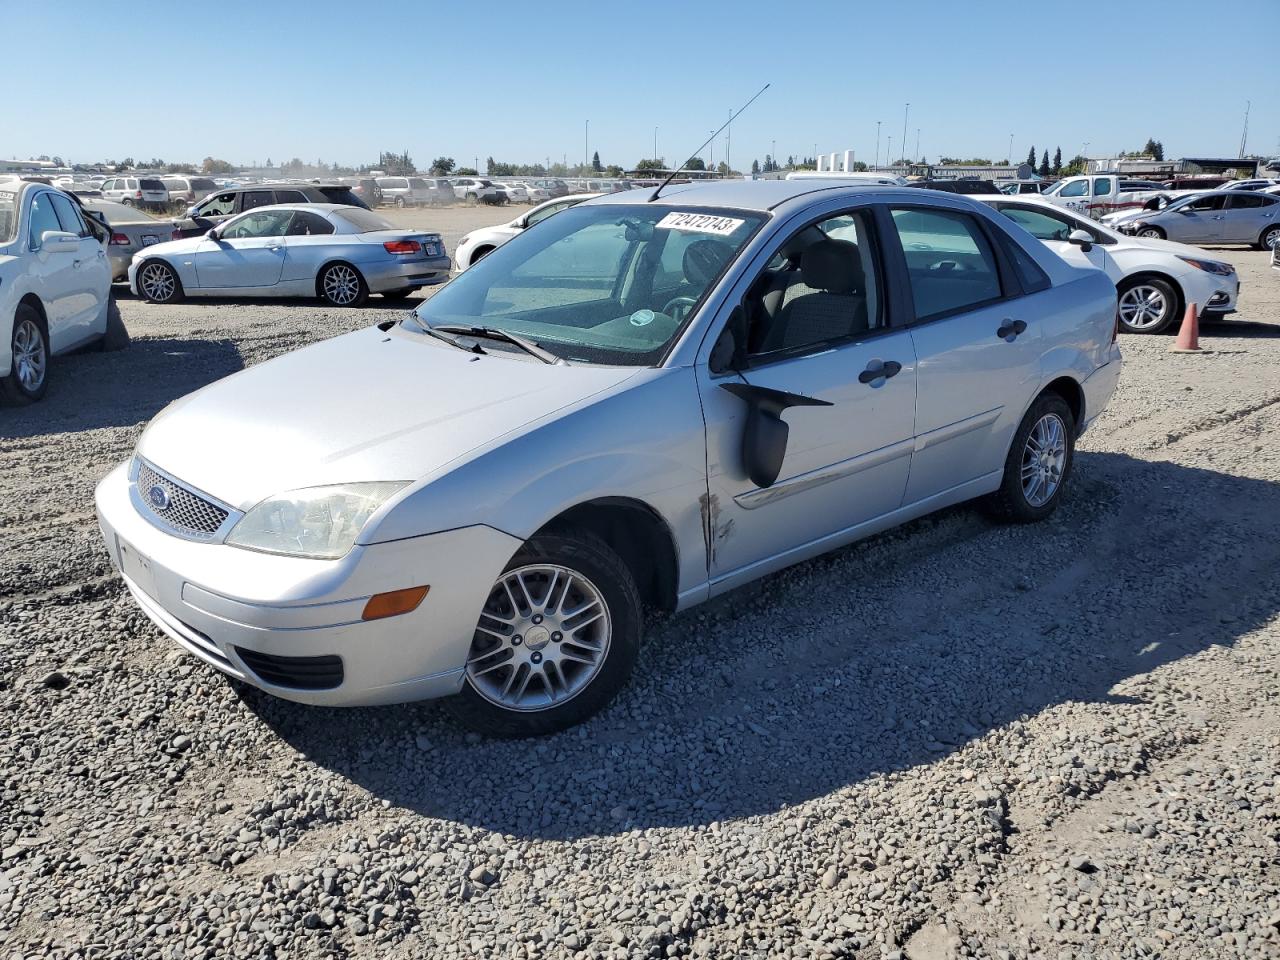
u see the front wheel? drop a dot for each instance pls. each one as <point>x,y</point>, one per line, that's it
<point>1039,463</point>
<point>1151,233</point>
<point>1270,238</point>
<point>342,286</point>
<point>556,640</point>
<point>158,282</point>
<point>29,369</point>
<point>1146,305</point>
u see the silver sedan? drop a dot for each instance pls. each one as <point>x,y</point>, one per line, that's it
<point>642,402</point>
<point>336,252</point>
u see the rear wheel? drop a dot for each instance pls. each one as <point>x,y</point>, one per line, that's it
<point>1270,238</point>
<point>1151,233</point>
<point>400,202</point>
<point>556,640</point>
<point>158,282</point>
<point>342,286</point>
<point>1146,305</point>
<point>29,374</point>
<point>1039,463</point>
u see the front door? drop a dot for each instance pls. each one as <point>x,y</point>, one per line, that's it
<point>1199,221</point>
<point>53,273</point>
<point>977,349</point>
<point>249,253</point>
<point>819,330</point>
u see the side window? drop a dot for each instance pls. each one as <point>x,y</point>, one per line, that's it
<point>258,198</point>
<point>1102,186</point>
<point>224,204</point>
<point>306,224</point>
<point>43,219</point>
<point>548,211</point>
<point>1041,225</point>
<point>1247,201</point>
<point>69,216</point>
<point>820,288</point>
<point>286,196</point>
<point>1077,188</point>
<point>950,265</point>
<point>268,223</point>
<point>1206,203</point>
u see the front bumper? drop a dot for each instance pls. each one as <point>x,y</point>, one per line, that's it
<point>399,274</point>
<point>286,624</point>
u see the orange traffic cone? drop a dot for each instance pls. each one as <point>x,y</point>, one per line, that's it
<point>1189,333</point>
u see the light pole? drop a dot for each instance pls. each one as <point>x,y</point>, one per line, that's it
<point>877,145</point>
<point>586,141</point>
<point>711,145</point>
<point>1008,157</point>
<point>905,114</point>
<point>773,155</point>
<point>917,144</point>
<point>1084,152</point>
<point>728,141</point>
<point>888,154</point>
<point>655,143</point>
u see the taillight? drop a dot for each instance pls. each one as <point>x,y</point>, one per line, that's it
<point>138,195</point>
<point>119,240</point>
<point>402,246</point>
<point>175,235</point>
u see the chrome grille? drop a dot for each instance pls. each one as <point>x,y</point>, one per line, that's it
<point>184,511</point>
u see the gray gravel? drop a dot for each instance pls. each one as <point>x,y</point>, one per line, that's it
<point>952,740</point>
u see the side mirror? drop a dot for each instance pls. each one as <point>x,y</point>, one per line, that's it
<point>59,241</point>
<point>212,234</point>
<point>764,438</point>
<point>1082,239</point>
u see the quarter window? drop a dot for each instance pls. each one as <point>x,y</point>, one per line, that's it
<point>258,198</point>
<point>43,219</point>
<point>307,224</point>
<point>950,264</point>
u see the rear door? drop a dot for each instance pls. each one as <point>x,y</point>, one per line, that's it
<point>1247,215</point>
<point>249,253</point>
<point>977,346</point>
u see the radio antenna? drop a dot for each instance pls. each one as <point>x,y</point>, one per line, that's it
<point>732,117</point>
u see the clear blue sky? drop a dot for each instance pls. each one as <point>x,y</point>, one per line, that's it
<point>245,81</point>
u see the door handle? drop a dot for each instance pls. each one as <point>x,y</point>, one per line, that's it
<point>879,370</point>
<point>1010,329</point>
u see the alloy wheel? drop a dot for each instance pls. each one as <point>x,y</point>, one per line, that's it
<point>1271,239</point>
<point>1143,306</point>
<point>156,281</point>
<point>1043,459</point>
<point>341,285</point>
<point>1150,233</point>
<point>30,358</point>
<point>542,638</point>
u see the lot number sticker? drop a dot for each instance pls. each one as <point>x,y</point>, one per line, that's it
<point>700,223</point>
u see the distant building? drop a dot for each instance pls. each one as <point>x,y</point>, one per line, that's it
<point>29,166</point>
<point>1187,166</point>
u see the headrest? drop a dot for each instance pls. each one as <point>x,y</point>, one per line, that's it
<point>832,265</point>
<point>704,259</point>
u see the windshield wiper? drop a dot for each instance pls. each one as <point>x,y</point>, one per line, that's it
<point>493,333</point>
<point>468,345</point>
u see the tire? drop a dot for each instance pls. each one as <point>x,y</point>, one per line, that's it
<point>1270,238</point>
<point>158,282</point>
<point>1014,502</point>
<point>596,579</point>
<point>400,202</point>
<point>116,336</point>
<point>397,294</point>
<point>1147,304</point>
<point>127,201</point>
<point>341,285</point>
<point>472,198</point>
<point>1151,233</point>
<point>28,377</point>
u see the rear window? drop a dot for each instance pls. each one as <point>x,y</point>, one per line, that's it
<point>341,195</point>
<point>152,184</point>
<point>203,183</point>
<point>118,212</point>
<point>418,183</point>
<point>365,221</point>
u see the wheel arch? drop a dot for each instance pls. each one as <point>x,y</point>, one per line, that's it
<point>1156,274</point>
<point>1070,390</point>
<point>31,299</point>
<point>638,534</point>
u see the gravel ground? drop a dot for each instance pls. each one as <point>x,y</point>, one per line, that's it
<point>956,739</point>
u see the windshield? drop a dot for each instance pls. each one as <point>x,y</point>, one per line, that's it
<point>603,284</point>
<point>8,215</point>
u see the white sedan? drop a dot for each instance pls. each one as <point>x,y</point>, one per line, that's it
<point>1155,279</point>
<point>336,252</point>
<point>479,243</point>
<point>55,286</point>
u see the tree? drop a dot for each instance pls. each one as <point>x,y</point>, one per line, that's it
<point>695,163</point>
<point>595,162</point>
<point>214,166</point>
<point>650,163</point>
<point>1154,149</point>
<point>1031,156</point>
<point>755,166</point>
<point>467,172</point>
<point>1044,163</point>
<point>859,167</point>
<point>442,166</point>
<point>722,168</point>
<point>613,170</point>
<point>1077,166</point>
<point>1056,169</point>
<point>396,164</point>
<point>180,168</point>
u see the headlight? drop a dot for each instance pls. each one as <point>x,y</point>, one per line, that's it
<point>321,522</point>
<point>1210,266</point>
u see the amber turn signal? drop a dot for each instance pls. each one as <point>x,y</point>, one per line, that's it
<point>394,603</point>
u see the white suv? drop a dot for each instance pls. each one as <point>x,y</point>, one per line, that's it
<point>136,191</point>
<point>472,189</point>
<point>55,285</point>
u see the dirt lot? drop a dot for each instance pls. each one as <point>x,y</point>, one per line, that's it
<point>953,740</point>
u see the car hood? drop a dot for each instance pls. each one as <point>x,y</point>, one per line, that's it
<point>1169,246</point>
<point>366,406</point>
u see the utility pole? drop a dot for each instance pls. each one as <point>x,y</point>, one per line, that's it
<point>888,154</point>
<point>773,157</point>
<point>917,144</point>
<point>586,146</point>
<point>877,145</point>
<point>1008,157</point>
<point>655,143</point>
<point>1244,137</point>
<point>905,114</point>
<point>728,140</point>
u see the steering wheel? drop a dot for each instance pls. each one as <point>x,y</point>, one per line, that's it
<point>682,304</point>
<point>946,266</point>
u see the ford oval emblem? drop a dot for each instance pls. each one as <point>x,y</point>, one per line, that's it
<point>159,497</point>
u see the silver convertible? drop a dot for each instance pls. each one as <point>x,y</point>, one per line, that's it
<point>644,400</point>
<point>336,252</point>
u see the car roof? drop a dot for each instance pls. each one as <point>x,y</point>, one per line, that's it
<point>762,195</point>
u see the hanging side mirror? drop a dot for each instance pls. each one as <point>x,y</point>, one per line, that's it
<point>764,438</point>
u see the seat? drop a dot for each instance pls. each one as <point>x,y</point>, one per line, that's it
<point>827,303</point>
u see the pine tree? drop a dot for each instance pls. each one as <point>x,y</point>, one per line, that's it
<point>595,162</point>
<point>1031,157</point>
<point>755,166</point>
<point>1057,162</point>
<point>1158,152</point>
<point>1044,163</point>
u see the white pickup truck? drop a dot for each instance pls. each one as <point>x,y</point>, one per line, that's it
<point>1099,194</point>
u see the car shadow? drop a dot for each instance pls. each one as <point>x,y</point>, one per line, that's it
<point>88,390</point>
<point>884,656</point>
<point>1248,329</point>
<point>376,301</point>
